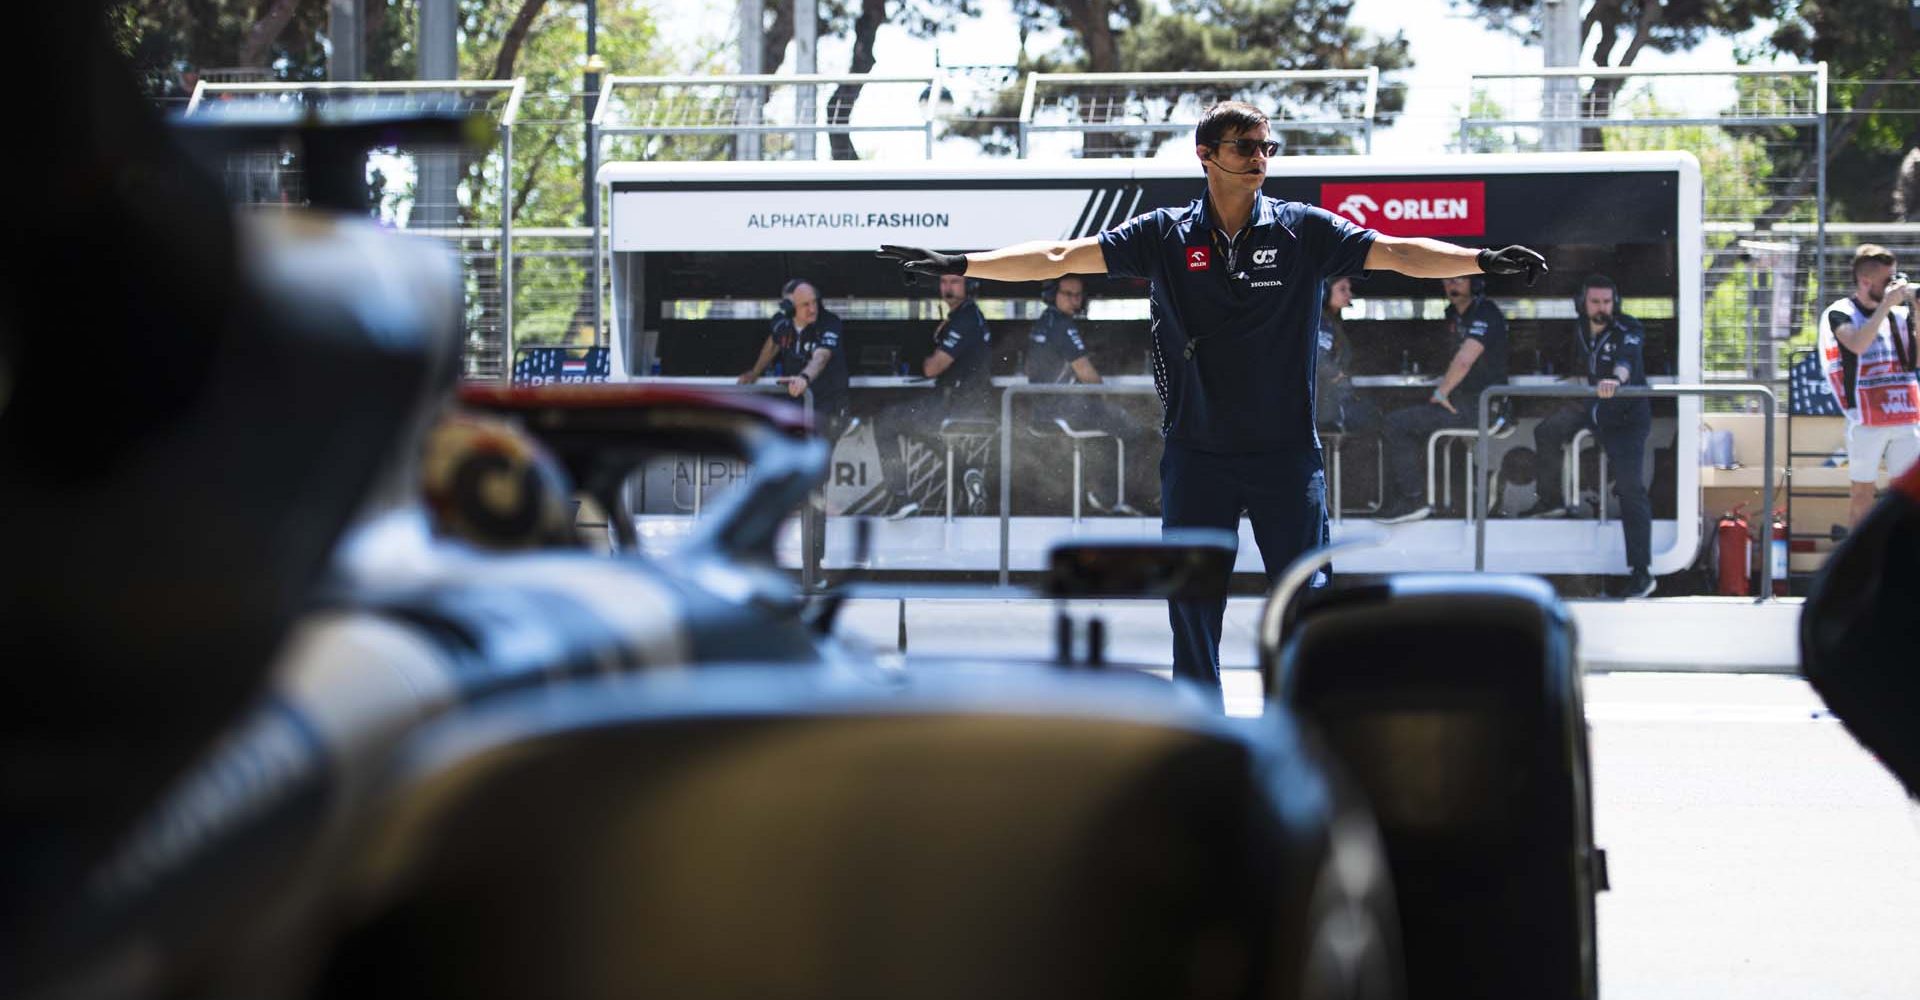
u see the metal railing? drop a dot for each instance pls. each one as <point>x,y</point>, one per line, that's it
<point>1177,97</point>
<point>1006,447</point>
<point>1492,392</point>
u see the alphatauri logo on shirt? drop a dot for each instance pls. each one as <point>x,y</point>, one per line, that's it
<point>1265,258</point>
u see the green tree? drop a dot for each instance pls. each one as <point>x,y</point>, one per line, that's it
<point>1619,30</point>
<point>1197,35</point>
<point>1872,52</point>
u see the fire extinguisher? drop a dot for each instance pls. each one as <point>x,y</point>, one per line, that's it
<point>1736,545</point>
<point>1777,551</point>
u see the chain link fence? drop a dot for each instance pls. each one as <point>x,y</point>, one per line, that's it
<point>1104,115</point>
<point>1760,136</point>
<point>1772,257</point>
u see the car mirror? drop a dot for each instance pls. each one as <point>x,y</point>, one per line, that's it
<point>1183,564</point>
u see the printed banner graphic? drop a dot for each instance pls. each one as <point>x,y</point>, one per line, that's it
<point>549,365</point>
<point>1412,208</point>
<point>848,219</point>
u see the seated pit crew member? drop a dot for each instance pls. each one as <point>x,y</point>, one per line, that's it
<point>1337,407</point>
<point>1479,360</point>
<point>1867,348</point>
<point>1610,347</point>
<point>960,368</point>
<point>1057,355</point>
<point>805,337</point>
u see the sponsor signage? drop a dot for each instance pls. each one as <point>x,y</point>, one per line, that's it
<point>1412,208</point>
<point>839,219</point>
<point>561,365</point>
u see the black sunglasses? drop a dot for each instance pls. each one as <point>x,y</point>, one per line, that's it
<point>1247,147</point>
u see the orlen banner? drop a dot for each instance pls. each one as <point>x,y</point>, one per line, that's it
<point>1411,208</point>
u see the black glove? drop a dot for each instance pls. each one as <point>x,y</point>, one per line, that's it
<point>917,261</point>
<point>1513,260</point>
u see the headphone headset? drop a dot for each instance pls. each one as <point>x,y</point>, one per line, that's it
<point>1477,284</point>
<point>1048,288</point>
<point>1589,283</point>
<point>786,295</point>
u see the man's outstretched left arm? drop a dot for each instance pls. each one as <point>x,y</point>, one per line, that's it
<point>1424,258</point>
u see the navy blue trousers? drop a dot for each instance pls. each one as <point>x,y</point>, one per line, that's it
<point>1284,494</point>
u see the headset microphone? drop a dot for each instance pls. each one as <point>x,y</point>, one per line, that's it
<point>1224,168</point>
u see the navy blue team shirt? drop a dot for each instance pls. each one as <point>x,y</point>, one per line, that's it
<point>1621,343</point>
<point>1053,347</point>
<point>964,336</point>
<point>796,351</point>
<point>1235,324</point>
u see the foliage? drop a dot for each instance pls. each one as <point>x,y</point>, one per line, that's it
<point>1872,51</point>
<point>1197,35</point>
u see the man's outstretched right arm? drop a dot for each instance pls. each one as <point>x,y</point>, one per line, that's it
<point>1034,261</point>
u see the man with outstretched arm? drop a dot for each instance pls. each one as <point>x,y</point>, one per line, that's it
<point>1236,280</point>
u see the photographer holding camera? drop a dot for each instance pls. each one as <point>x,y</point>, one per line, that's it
<point>1868,352</point>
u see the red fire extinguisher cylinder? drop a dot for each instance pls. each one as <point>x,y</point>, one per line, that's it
<point>1735,543</point>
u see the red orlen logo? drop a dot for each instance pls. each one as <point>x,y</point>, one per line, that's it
<point>1196,258</point>
<point>1412,208</point>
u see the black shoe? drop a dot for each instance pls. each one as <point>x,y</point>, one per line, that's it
<point>1544,510</point>
<point>1403,511</point>
<point>1640,584</point>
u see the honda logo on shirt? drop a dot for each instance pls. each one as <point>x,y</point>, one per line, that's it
<point>1412,208</point>
<point>1196,258</point>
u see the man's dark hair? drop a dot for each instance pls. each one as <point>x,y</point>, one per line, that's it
<point>1238,117</point>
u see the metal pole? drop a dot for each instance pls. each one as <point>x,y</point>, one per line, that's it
<point>506,254</point>
<point>806,62</point>
<point>1006,480</point>
<point>752,38</point>
<point>1819,289</point>
<point>1560,46</point>
<point>345,34</point>
<point>439,60</point>
<point>589,182</point>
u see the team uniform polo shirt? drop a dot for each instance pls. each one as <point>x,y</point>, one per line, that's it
<point>1235,323</point>
<point>796,352</point>
<point>1053,347</point>
<point>1482,321</point>
<point>1876,388</point>
<point>1620,345</point>
<point>965,337</point>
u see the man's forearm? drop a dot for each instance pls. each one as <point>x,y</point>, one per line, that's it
<point>1864,334</point>
<point>1037,260</point>
<point>1456,373</point>
<point>817,364</point>
<point>1422,258</point>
